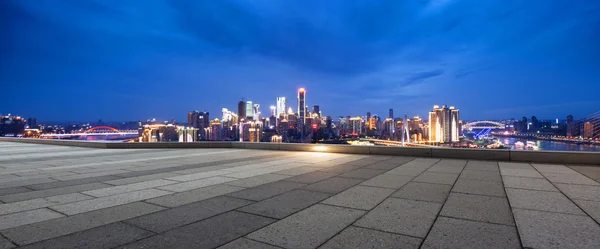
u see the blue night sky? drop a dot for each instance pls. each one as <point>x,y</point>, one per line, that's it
<point>84,60</point>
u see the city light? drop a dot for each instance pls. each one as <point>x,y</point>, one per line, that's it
<point>320,148</point>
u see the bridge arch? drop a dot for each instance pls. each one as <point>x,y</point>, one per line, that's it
<point>484,124</point>
<point>101,128</point>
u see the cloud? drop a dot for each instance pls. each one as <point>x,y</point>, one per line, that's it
<point>419,77</point>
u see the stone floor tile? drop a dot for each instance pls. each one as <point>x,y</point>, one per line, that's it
<point>570,179</point>
<point>482,165</point>
<point>311,177</point>
<point>402,216</point>
<point>542,201</point>
<point>360,197</point>
<point>581,192</point>
<point>19,183</point>
<point>308,228</point>
<point>592,208</point>
<point>479,208</point>
<point>265,191</point>
<point>41,203</point>
<point>243,243</point>
<point>5,244</point>
<point>553,230</point>
<point>357,237</point>
<point>103,192</point>
<point>201,175</point>
<point>176,217</point>
<point>435,177</point>
<point>13,190</point>
<point>142,178</point>
<point>109,201</point>
<point>297,171</point>
<point>553,168</point>
<point>479,187</point>
<point>209,233</point>
<point>520,172</point>
<point>424,192</point>
<point>27,217</point>
<point>387,181</point>
<point>333,185</point>
<point>406,171</point>
<point>52,192</point>
<point>286,204</point>
<point>108,236</point>
<point>196,184</point>
<point>362,173</point>
<point>528,183</point>
<point>182,198</point>
<point>438,168</point>
<point>257,180</point>
<point>456,233</point>
<point>512,165</point>
<point>344,168</point>
<point>80,181</point>
<point>481,175</point>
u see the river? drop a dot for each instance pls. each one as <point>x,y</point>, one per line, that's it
<point>551,145</point>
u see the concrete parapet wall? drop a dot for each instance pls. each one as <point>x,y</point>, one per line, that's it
<point>559,157</point>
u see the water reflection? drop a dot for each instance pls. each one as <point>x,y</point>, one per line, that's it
<point>550,145</point>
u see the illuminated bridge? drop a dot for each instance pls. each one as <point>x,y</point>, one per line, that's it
<point>392,143</point>
<point>98,131</point>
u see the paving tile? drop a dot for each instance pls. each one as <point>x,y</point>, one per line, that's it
<point>41,203</point>
<point>143,178</point>
<point>185,186</point>
<point>243,243</point>
<point>333,185</point>
<point>257,180</point>
<point>176,217</point>
<point>388,165</point>
<point>424,192</point>
<point>108,236</point>
<point>570,179</point>
<point>362,173</point>
<point>308,228</point>
<point>528,183</point>
<point>80,181</point>
<point>5,244</point>
<point>266,191</point>
<point>520,172</point>
<point>201,175</point>
<point>508,165</point>
<point>52,192</point>
<point>479,187</point>
<point>178,199</point>
<point>553,230</point>
<point>581,192</point>
<point>27,217</point>
<point>19,183</point>
<point>479,208</point>
<point>482,165</point>
<point>481,175</point>
<point>62,226</point>
<point>360,197</point>
<point>408,217</point>
<point>554,168</point>
<point>286,204</point>
<point>13,190</point>
<point>387,181</point>
<point>434,177</point>
<point>109,201</point>
<point>128,188</point>
<point>542,201</point>
<point>297,171</point>
<point>357,237</point>
<point>455,233</point>
<point>445,169</point>
<point>311,177</point>
<point>405,170</point>
<point>344,168</point>
<point>209,233</point>
<point>89,175</point>
<point>592,208</point>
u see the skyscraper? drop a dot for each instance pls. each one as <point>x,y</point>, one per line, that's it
<point>316,110</point>
<point>242,109</point>
<point>256,112</point>
<point>444,124</point>
<point>281,105</point>
<point>301,108</point>
<point>273,111</point>
<point>570,126</point>
<point>249,109</point>
<point>391,114</point>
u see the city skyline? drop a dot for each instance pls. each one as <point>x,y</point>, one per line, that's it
<point>84,61</point>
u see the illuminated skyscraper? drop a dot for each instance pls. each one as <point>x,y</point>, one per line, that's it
<point>356,126</point>
<point>249,109</point>
<point>242,109</point>
<point>301,108</point>
<point>256,112</point>
<point>444,124</point>
<point>281,105</point>
<point>316,110</point>
<point>391,114</point>
<point>273,111</point>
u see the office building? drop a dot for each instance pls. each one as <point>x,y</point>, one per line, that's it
<point>391,114</point>
<point>31,123</point>
<point>301,108</point>
<point>281,105</point>
<point>249,112</point>
<point>316,110</point>
<point>355,126</point>
<point>571,129</point>
<point>444,124</point>
<point>588,130</point>
<point>242,109</point>
<point>256,112</point>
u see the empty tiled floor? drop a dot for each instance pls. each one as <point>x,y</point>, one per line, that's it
<point>64,197</point>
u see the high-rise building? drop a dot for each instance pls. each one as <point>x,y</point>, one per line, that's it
<point>355,126</point>
<point>534,124</point>
<point>391,114</point>
<point>203,122</point>
<point>372,123</point>
<point>588,129</point>
<point>214,132</point>
<point>316,110</point>
<point>249,112</point>
<point>31,123</point>
<point>444,124</point>
<point>273,111</point>
<point>242,109</point>
<point>570,126</point>
<point>281,105</point>
<point>368,115</point>
<point>193,119</point>
<point>256,112</point>
<point>301,108</point>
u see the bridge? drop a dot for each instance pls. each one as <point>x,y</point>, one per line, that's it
<point>483,124</point>
<point>392,143</point>
<point>108,132</point>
